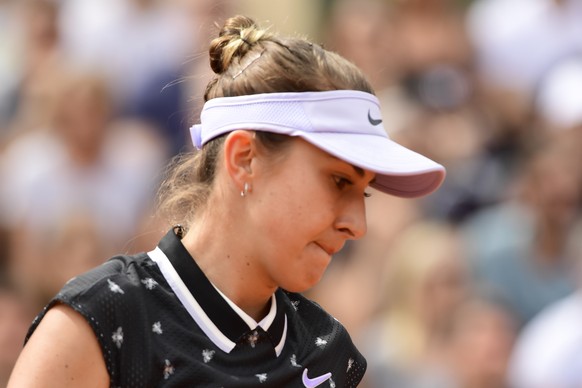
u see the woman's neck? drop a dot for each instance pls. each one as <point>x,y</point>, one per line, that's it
<point>230,266</point>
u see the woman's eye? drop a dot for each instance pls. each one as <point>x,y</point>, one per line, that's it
<point>342,182</point>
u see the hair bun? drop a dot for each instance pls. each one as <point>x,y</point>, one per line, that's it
<point>237,37</point>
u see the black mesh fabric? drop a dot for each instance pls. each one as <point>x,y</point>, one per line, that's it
<point>148,339</point>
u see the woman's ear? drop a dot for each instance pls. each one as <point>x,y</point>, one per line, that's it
<point>239,151</point>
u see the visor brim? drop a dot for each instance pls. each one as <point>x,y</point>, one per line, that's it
<point>399,170</point>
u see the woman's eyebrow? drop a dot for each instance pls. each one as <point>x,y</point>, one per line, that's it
<point>361,173</point>
<point>358,170</point>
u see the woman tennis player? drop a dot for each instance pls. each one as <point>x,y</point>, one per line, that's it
<point>289,140</point>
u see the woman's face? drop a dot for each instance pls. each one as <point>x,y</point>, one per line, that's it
<point>302,208</point>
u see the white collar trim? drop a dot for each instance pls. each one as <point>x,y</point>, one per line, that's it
<point>265,322</point>
<point>201,318</point>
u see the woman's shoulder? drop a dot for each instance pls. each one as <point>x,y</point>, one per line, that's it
<point>108,292</point>
<point>116,299</point>
<point>118,275</point>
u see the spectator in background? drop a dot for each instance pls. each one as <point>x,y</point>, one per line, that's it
<point>79,185</point>
<point>516,44</point>
<point>476,178</point>
<point>426,280</point>
<point>143,47</point>
<point>519,245</point>
<point>517,41</point>
<point>436,329</point>
<point>365,32</point>
<point>29,95</point>
<point>548,352</point>
<point>31,57</point>
<point>480,343</point>
<point>131,41</point>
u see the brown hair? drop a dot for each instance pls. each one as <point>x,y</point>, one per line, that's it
<point>247,59</point>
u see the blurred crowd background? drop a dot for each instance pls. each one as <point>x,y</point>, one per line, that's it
<point>475,286</point>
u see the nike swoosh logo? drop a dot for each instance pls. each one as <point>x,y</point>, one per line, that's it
<point>373,121</point>
<point>316,381</point>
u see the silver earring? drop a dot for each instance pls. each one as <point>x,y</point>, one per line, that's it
<point>245,190</point>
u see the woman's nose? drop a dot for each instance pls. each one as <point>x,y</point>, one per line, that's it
<point>351,220</point>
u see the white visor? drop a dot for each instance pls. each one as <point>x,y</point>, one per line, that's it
<point>345,123</point>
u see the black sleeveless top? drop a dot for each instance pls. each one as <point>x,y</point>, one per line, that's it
<point>161,323</point>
